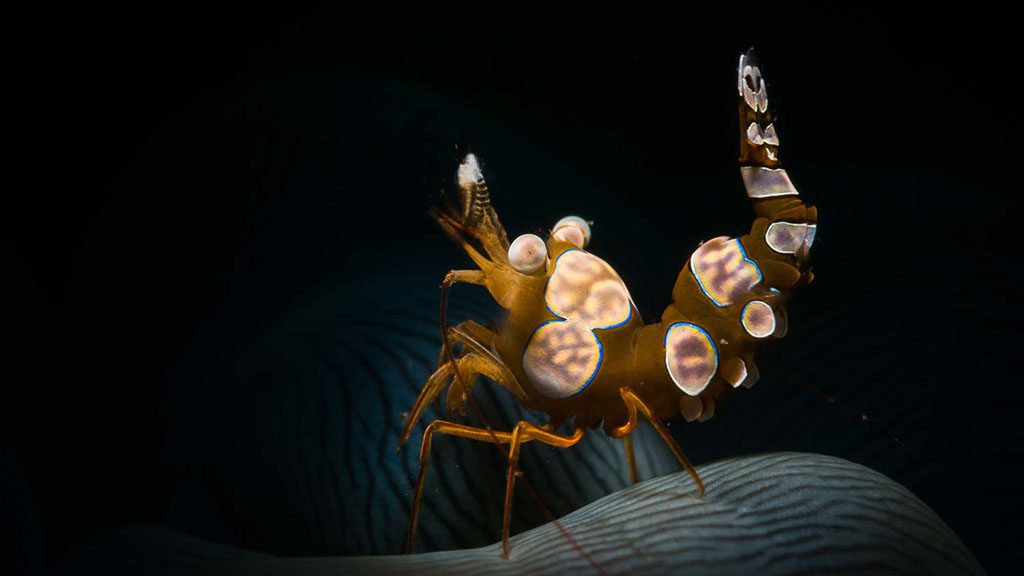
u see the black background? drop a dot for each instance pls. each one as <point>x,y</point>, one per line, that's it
<point>105,281</point>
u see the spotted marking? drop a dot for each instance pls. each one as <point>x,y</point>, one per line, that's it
<point>723,271</point>
<point>767,182</point>
<point>789,237</point>
<point>754,135</point>
<point>751,86</point>
<point>563,356</point>
<point>690,356</point>
<point>758,319</point>
<point>583,288</point>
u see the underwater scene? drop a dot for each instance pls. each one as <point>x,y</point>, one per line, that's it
<point>307,292</point>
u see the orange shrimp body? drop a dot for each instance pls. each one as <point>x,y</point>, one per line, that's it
<point>571,342</point>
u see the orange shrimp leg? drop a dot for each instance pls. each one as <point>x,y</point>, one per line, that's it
<point>633,405</point>
<point>627,442</point>
<point>478,277</point>
<point>478,340</point>
<point>471,365</point>
<point>470,334</point>
<point>430,392</point>
<point>524,432</point>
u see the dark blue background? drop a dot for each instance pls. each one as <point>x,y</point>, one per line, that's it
<point>155,152</point>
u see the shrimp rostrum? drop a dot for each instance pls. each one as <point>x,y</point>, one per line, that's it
<point>571,343</point>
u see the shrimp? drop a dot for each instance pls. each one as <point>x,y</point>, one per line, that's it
<point>571,343</point>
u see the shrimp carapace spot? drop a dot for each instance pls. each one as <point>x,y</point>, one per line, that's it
<point>691,357</point>
<point>723,271</point>
<point>758,319</point>
<point>563,356</point>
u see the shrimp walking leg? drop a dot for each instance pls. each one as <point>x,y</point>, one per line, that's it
<point>524,432</point>
<point>478,277</point>
<point>478,340</point>
<point>627,443</point>
<point>470,366</point>
<point>470,334</point>
<point>634,405</point>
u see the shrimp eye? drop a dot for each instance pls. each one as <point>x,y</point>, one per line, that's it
<point>528,254</point>
<point>572,229</point>
<point>570,234</point>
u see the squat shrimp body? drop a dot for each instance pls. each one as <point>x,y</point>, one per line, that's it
<point>571,342</point>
